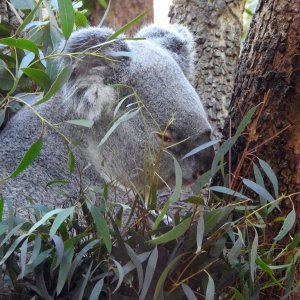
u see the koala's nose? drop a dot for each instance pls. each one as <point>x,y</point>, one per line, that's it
<point>205,160</point>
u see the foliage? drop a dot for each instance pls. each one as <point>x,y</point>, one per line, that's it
<point>112,251</point>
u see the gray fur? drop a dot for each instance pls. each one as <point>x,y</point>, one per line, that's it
<point>157,71</point>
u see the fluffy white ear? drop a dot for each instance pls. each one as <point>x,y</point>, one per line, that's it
<point>88,92</point>
<point>175,38</point>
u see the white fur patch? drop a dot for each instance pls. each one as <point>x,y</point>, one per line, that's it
<point>88,96</point>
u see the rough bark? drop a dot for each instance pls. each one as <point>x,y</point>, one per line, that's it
<point>217,27</point>
<point>268,75</point>
<point>7,15</point>
<point>122,12</point>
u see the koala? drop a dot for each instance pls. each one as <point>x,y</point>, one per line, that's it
<point>150,76</point>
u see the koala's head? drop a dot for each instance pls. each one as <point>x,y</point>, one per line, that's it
<point>150,74</point>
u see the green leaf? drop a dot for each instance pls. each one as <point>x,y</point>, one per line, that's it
<point>81,20</point>
<point>260,181</point>
<point>125,117</point>
<point>120,275</point>
<point>102,3</point>
<point>164,275</point>
<point>14,231</point>
<point>78,259</point>
<point>31,154</point>
<point>227,191</point>
<point>253,254</point>
<point>12,248</point>
<point>175,195</point>
<point>200,148</point>
<point>134,258</point>
<point>174,233</point>
<point>71,161</point>
<point>64,269</point>
<point>67,18</point>
<point>27,59</point>
<point>39,77</point>
<point>81,122</point>
<point>44,219</point>
<point>29,17</point>
<point>288,223</point>
<point>23,256</point>
<point>237,294</point>
<point>200,231</point>
<point>188,292</point>
<point>57,181</point>
<point>258,189</point>
<point>59,245</point>
<point>1,208</point>
<point>210,289</point>
<point>101,226</point>
<point>87,277</point>
<point>235,251</point>
<point>271,175</point>
<point>20,44</point>
<point>227,145</point>
<point>127,26</point>
<point>97,290</point>
<point>204,179</point>
<point>267,270</point>
<point>150,269</point>
<point>60,218</point>
<point>61,79</point>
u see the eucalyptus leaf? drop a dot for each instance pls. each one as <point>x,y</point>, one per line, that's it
<point>67,17</point>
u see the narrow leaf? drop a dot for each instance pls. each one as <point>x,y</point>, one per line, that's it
<point>164,275</point>
<point>97,290</point>
<point>71,161</point>
<point>174,196</point>
<point>81,122</point>
<point>210,289</point>
<point>59,245</point>
<point>200,231</point>
<point>101,226</point>
<point>188,292</point>
<point>20,43</point>
<point>127,26</point>
<point>39,76</point>
<point>200,148</point>
<point>227,191</point>
<point>67,17</point>
<point>28,18</point>
<point>287,225</point>
<point>271,175</point>
<point>134,258</point>
<point>127,116</point>
<point>64,269</point>
<point>60,218</point>
<point>61,79</point>
<point>253,254</point>
<point>31,154</point>
<point>120,275</point>
<point>174,233</point>
<point>150,269</point>
<point>258,189</point>
<point>78,259</point>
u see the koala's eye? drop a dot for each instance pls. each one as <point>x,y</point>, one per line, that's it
<point>165,137</point>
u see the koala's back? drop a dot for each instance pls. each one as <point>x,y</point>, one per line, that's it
<point>51,164</point>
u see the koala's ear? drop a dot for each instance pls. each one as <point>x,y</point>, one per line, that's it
<point>175,38</point>
<point>88,92</point>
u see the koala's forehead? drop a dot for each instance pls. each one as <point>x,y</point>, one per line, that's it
<point>163,87</point>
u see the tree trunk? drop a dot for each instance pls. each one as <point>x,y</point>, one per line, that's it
<point>217,27</point>
<point>268,75</point>
<point>122,12</point>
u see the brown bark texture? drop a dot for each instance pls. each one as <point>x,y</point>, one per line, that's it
<point>217,28</point>
<point>123,11</point>
<point>268,75</point>
<point>7,15</point>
